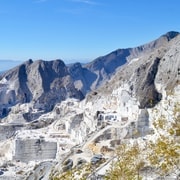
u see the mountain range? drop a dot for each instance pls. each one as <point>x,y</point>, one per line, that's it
<point>45,83</point>
<point>60,116</point>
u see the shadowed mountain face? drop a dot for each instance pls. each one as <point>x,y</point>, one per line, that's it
<point>41,83</point>
<point>45,83</point>
<point>149,73</point>
<point>90,76</point>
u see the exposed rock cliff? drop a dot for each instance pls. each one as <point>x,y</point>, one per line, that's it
<point>41,83</point>
<point>148,74</point>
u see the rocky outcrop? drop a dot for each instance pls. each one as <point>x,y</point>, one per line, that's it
<point>151,46</point>
<point>168,75</point>
<point>41,83</point>
<point>143,85</point>
<point>149,74</point>
<point>83,77</point>
<point>42,171</point>
<point>8,131</point>
<point>105,67</point>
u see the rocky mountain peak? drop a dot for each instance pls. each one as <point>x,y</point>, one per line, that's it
<point>149,73</point>
<point>170,35</point>
<point>41,83</point>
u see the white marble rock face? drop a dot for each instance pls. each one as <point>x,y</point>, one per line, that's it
<point>50,111</point>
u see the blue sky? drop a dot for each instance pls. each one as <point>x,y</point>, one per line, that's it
<point>81,30</point>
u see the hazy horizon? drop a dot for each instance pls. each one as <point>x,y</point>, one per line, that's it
<point>6,64</point>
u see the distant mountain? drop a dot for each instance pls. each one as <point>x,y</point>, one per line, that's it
<point>147,75</point>
<point>42,83</point>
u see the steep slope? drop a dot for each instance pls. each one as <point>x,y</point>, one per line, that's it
<point>90,76</point>
<point>83,77</point>
<point>41,83</point>
<point>148,74</point>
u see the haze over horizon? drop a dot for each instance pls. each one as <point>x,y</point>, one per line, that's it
<point>81,30</point>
